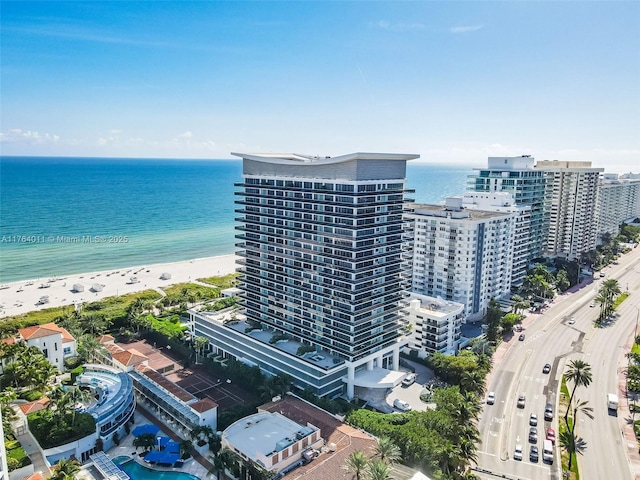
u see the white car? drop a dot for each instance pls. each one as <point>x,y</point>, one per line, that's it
<point>402,405</point>
<point>533,420</point>
<point>517,454</point>
<point>409,380</point>
<point>491,398</point>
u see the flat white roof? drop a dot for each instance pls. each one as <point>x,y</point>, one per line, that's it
<point>264,433</point>
<point>298,159</point>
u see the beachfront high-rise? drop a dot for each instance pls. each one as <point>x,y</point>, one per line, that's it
<point>619,203</point>
<point>326,258</point>
<point>462,255</point>
<point>517,176</point>
<point>572,193</point>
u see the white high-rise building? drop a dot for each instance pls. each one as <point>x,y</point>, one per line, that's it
<point>326,260</point>
<point>517,176</point>
<point>504,202</point>
<point>571,198</point>
<point>462,255</point>
<point>619,203</point>
<point>435,325</point>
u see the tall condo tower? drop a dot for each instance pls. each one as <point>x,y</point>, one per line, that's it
<point>619,203</point>
<point>572,196</point>
<point>517,176</point>
<point>326,259</point>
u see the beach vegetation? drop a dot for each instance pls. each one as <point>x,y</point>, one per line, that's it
<point>190,293</point>
<point>221,304</point>
<point>168,326</point>
<point>222,282</point>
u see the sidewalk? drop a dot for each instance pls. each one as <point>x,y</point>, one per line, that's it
<point>32,449</point>
<point>625,417</point>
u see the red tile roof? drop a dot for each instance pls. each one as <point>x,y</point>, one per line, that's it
<point>35,406</point>
<point>106,339</point>
<point>129,357</point>
<point>45,330</point>
<point>33,476</point>
<point>203,405</point>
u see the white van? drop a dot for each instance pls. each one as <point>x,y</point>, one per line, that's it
<point>547,451</point>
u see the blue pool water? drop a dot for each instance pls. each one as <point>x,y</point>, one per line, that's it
<point>139,472</point>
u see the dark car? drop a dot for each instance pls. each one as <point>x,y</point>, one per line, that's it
<point>546,368</point>
<point>521,401</point>
<point>521,337</point>
<point>533,453</point>
<point>548,412</point>
<point>533,435</point>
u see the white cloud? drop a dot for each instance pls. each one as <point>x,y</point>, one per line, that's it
<point>397,27</point>
<point>186,134</point>
<point>466,29</point>
<point>17,135</point>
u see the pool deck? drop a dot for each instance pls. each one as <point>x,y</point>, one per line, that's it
<point>126,448</point>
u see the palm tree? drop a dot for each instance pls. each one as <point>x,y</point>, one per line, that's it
<point>572,445</point>
<point>186,446</point>
<point>579,372</point>
<point>378,470</point>
<point>65,470</point>
<point>74,397</point>
<point>89,347</point>
<point>580,407</point>
<point>199,343</point>
<point>357,463</point>
<point>387,450</point>
<point>146,441</point>
<point>472,381</point>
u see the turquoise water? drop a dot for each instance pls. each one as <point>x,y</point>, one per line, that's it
<point>139,472</point>
<point>60,216</point>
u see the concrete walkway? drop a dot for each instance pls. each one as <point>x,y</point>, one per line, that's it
<point>32,449</point>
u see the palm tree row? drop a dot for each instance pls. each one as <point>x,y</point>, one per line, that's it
<point>578,373</point>
<point>607,295</point>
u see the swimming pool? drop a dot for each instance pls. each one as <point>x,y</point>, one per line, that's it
<point>139,472</point>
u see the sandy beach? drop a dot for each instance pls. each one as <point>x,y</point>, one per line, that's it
<point>25,296</point>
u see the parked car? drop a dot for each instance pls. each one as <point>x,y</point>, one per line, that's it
<point>409,380</point>
<point>533,420</point>
<point>548,412</point>
<point>602,275</point>
<point>546,368</point>
<point>491,398</point>
<point>533,435</point>
<point>533,454</point>
<point>551,435</point>
<point>517,454</point>
<point>592,304</point>
<point>402,405</point>
<point>572,320</point>
<point>521,401</point>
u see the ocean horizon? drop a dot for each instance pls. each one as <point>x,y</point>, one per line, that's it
<point>67,215</point>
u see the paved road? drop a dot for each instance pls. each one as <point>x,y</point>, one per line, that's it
<point>550,338</point>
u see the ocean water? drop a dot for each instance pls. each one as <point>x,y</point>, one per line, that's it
<point>60,216</point>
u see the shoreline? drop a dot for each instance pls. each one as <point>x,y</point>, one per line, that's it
<point>24,296</point>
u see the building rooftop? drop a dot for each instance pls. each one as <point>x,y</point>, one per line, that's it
<point>435,305</point>
<point>265,433</point>
<point>441,211</point>
<point>299,159</point>
<point>45,330</point>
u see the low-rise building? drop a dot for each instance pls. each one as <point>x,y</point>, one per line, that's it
<point>272,441</point>
<point>55,342</point>
<point>435,325</point>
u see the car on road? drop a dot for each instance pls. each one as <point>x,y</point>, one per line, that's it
<point>521,401</point>
<point>533,435</point>
<point>551,435</point>
<point>533,454</point>
<point>409,379</point>
<point>533,420</point>
<point>546,368</point>
<point>602,275</point>
<point>402,405</point>
<point>572,320</point>
<point>491,398</point>
<point>517,454</point>
<point>521,337</point>
<point>548,412</point>
<point>592,304</point>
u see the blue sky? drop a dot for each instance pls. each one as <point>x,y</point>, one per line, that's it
<point>453,81</point>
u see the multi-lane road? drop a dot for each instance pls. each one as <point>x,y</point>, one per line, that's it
<point>565,332</point>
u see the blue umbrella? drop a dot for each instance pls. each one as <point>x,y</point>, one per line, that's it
<point>146,428</point>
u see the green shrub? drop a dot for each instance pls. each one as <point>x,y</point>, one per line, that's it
<point>53,430</point>
<point>31,395</point>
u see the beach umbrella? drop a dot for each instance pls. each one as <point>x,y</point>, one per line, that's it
<point>146,428</point>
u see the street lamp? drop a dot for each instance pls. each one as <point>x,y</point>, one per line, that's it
<point>158,440</point>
